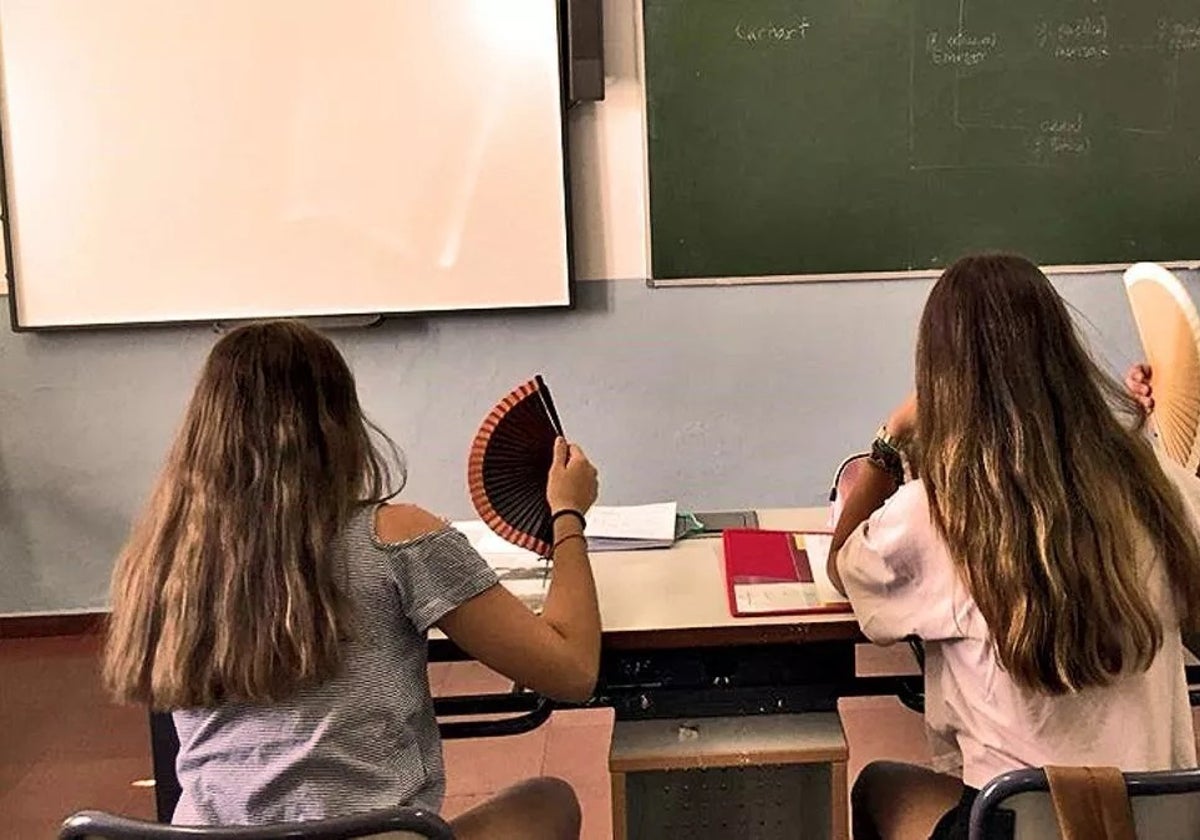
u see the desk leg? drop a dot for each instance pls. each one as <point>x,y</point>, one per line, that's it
<point>619,812</point>
<point>839,808</point>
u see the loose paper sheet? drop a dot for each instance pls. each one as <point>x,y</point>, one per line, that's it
<point>633,522</point>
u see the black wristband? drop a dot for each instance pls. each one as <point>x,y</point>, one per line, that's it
<point>569,512</point>
<point>887,459</point>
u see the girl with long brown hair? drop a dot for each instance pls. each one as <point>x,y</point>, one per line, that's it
<point>278,605</point>
<point>1044,553</point>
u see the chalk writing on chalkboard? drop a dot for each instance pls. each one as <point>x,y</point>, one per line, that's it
<point>1179,35</point>
<point>1024,137</point>
<point>961,48</point>
<point>773,33</point>
<point>1060,138</point>
<point>1080,39</point>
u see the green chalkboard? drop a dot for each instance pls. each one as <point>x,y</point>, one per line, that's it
<point>831,136</point>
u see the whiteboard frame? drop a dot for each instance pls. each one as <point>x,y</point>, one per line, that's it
<point>372,318</point>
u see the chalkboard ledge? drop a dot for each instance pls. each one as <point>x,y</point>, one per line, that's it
<point>872,276</point>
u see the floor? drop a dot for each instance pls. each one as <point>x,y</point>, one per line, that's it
<point>64,747</point>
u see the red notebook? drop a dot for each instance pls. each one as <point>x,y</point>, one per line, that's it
<point>779,573</point>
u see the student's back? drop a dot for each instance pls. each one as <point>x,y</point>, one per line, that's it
<point>981,721</point>
<point>272,600</point>
<point>362,740</point>
<point>1043,554</point>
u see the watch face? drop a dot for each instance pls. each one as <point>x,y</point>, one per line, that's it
<point>887,457</point>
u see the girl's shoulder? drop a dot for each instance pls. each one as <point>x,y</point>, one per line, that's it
<point>403,523</point>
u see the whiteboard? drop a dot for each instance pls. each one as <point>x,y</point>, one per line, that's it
<point>201,160</point>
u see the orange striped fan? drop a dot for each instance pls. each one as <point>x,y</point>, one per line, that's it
<point>510,464</point>
<point>1170,330</point>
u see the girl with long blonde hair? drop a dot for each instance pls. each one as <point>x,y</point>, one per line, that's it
<point>1044,553</point>
<point>277,604</point>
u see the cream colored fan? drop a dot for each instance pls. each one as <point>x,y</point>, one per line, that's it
<point>1170,330</point>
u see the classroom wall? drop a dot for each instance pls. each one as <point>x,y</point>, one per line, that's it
<point>716,397</point>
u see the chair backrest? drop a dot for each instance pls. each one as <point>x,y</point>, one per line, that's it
<point>391,823</point>
<point>1166,806</point>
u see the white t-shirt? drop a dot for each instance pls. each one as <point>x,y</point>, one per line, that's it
<point>901,582</point>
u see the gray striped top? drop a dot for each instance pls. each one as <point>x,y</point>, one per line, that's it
<point>366,739</point>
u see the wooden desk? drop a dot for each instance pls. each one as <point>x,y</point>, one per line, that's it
<point>672,648</point>
<point>676,597</point>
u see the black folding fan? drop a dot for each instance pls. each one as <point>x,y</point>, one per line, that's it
<point>510,465</point>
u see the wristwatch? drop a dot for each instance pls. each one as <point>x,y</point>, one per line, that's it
<point>886,454</point>
<point>889,440</point>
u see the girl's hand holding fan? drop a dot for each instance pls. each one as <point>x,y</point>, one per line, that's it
<point>573,484</point>
<point>1169,326</point>
<point>1137,380</point>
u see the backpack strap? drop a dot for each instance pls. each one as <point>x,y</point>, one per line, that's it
<point>1091,803</point>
